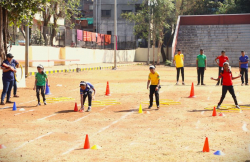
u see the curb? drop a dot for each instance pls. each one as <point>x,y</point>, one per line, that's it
<point>83,69</point>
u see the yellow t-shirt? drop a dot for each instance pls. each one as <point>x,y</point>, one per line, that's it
<point>154,78</point>
<point>179,60</point>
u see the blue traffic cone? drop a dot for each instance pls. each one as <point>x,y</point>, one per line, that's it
<point>219,153</point>
<point>47,92</point>
<point>14,106</point>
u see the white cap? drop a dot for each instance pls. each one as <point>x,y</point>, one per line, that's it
<point>152,67</point>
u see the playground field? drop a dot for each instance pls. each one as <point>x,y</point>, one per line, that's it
<point>175,132</point>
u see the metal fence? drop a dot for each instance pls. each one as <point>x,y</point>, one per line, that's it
<point>42,36</point>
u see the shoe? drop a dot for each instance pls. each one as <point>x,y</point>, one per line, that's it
<point>89,109</point>
<point>246,84</point>
<point>16,96</point>
<point>237,106</point>
<point>9,102</point>
<point>203,84</point>
<point>198,84</point>
<point>242,84</point>
<point>183,83</point>
<point>39,104</point>
<point>2,103</point>
<point>158,107</point>
<point>217,84</point>
<point>150,106</point>
<point>177,83</point>
<point>81,109</point>
<point>45,103</point>
<point>218,107</point>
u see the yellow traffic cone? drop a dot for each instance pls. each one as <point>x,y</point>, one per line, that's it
<point>140,109</point>
<point>96,147</point>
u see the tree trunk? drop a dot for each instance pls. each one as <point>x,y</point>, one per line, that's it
<point>159,52</point>
<point>3,32</point>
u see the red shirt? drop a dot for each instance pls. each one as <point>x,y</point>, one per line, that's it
<point>222,59</point>
<point>227,78</point>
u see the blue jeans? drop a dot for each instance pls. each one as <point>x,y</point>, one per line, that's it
<point>15,87</point>
<point>7,86</point>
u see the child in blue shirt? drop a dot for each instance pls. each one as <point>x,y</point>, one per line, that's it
<point>243,65</point>
<point>86,90</point>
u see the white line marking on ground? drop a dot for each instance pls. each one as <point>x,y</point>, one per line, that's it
<point>25,143</point>
<point>101,130</point>
<point>81,118</point>
<point>202,112</point>
<point>24,112</point>
<point>197,124</point>
<point>244,127</point>
<point>46,117</point>
<point>5,107</point>
<point>105,108</point>
<point>208,98</point>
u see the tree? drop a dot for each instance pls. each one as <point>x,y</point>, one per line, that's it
<point>54,9</point>
<point>154,17</point>
<point>15,12</point>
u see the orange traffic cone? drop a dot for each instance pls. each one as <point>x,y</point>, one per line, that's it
<point>86,144</point>
<point>214,112</point>
<point>76,108</point>
<point>192,91</point>
<point>107,90</point>
<point>206,146</point>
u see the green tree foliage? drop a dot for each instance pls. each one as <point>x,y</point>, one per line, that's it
<point>234,7</point>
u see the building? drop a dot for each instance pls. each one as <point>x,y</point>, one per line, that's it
<point>104,17</point>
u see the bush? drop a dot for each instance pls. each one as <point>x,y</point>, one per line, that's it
<point>168,63</point>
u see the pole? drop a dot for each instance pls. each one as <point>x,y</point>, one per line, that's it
<point>149,3</point>
<point>27,51</point>
<point>96,16</point>
<point>115,30</point>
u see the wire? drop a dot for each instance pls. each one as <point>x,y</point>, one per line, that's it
<point>21,74</point>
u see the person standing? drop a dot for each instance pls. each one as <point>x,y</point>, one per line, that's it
<point>243,65</point>
<point>222,58</point>
<point>8,67</point>
<point>154,79</point>
<point>201,64</point>
<point>179,64</point>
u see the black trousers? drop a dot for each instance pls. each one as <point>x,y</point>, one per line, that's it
<point>42,88</point>
<point>224,92</point>
<point>89,95</point>
<point>152,92</point>
<point>242,72</point>
<point>15,87</point>
<point>200,73</point>
<point>220,70</point>
<point>178,73</point>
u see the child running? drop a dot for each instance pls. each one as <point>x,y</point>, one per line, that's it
<point>154,78</point>
<point>86,90</point>
<point>40,82</point>
<point>227,84</point>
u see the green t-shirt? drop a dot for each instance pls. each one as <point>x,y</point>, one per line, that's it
<point>41,79</point>
<point>201,60</point>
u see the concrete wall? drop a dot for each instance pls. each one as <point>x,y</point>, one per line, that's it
<point>141,54</point>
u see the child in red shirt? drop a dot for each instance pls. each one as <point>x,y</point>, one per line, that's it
<point>222,58</point>
<point>227,84</point>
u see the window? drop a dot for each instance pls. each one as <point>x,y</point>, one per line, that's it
<point>109,32</point>
<point>91,7</point>
<point>126,11</point>
<point>106,13</point>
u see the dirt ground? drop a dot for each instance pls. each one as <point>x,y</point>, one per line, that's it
<point>174,133</point>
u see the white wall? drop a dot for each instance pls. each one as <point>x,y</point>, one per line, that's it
<point>20,84</point>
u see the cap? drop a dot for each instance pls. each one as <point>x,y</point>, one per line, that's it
<point>82,83</point>
<point>40,66</point>
<point>151,67</point>
<point>9,55</point>
<point>225,63</point>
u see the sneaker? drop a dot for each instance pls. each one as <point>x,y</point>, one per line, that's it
<point>183,83</point>
<point>158,107</point>
<point>198,84</point>
<point>16,96</point>
<point>89,109</point>
<point>150,106</point>
<point>9,102</point>
<point>177,83</point>
<point>242,84</point>
<point>45,103</point>
<point>217,84</point>
<point>246,84</point>
<point>203,84</point>
<point>237,106</point>
<point>39,104</point>
<point>218,107</point>
<point>2,103</point>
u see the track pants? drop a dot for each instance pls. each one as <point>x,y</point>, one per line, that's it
<point>42,88</point>
<point>85,95</point>
<point>220,70</point>
<point>178,73</point>
<point>242,72</point>
<point>200,73</point>
<point>224,92</point>
<point>152,92</point>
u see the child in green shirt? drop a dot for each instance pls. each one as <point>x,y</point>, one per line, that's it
<point>40,82</point>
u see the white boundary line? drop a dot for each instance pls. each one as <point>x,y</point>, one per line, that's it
<point>25,143</point>
<point>24,112</point>
<point>46,117</point>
